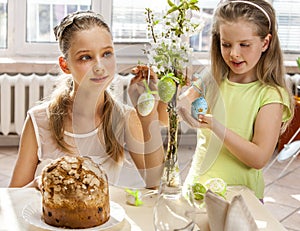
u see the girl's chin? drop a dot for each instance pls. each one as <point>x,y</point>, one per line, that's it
<point>98,81</point>
<point>237,70</point>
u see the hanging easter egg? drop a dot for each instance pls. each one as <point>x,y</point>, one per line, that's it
<point>145,103</point>
<point>166,89</point>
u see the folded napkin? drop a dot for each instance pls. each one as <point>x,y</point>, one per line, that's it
<point>216,208</point>
<point>226,216</point>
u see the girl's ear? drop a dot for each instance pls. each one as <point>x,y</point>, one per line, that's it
<point>267,41</point>
<point>64,65</point>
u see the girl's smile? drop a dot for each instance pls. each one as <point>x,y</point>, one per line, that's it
<point>99,80</point>
<point>237,64</point>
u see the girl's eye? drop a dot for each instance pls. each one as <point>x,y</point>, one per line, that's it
<point>244,45</point>
<point>225,45</point>
<point>107,54</point>
<point>85,57</point>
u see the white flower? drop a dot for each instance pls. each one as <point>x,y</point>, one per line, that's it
<point>169,49</point>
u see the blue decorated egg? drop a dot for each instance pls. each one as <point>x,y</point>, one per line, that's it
<point>199,106</point>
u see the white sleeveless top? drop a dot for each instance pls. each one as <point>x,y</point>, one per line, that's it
<point>87,144</point>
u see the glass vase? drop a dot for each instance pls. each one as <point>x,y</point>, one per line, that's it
<point>171,213</point>
<point>171,173</point>
<point>171,209</point>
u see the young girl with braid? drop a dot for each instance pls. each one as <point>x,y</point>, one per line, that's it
<point>250,104</point>
<point>82,117</point>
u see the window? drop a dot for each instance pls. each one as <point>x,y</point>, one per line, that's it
<point>129,19</point>
<point>27,26</point>
<point>200,42</point>
<point>3,24</point>
<point>43,15</point>
<point>128,22</point>
<point>31,22</point>
<point>288,16</point>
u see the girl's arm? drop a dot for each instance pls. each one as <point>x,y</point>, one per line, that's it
<point>257,152</point>
<point>154,151</point>
<point>147,128</point>
<point>163,115</point>
<point>146,146</point>
<point>27,160</point>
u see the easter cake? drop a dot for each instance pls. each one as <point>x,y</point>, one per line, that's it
<point>75,193</point>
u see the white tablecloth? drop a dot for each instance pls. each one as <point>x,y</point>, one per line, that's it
<point>13,200</point>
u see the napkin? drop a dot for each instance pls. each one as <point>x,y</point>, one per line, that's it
<point>239,217</point>
<point>228,216</point>
<point>216,208</point>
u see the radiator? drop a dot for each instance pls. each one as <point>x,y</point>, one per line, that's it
<point>18,93</point>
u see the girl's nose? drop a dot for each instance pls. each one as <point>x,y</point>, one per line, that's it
<point>235,51</point>
<point>98,68</point>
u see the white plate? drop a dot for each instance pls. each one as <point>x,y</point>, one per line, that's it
<point>32,213</point>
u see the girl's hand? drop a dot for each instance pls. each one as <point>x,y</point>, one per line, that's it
<point>36,183</point>
<point>204,121</point>
<point>137,87</point>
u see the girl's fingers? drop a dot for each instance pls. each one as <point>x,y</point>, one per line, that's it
<point>187,117</point>
<point>141,71</point>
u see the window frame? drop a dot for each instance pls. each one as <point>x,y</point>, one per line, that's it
<point>16,42</point>
<point>127,53</point>
<point>10,25</point>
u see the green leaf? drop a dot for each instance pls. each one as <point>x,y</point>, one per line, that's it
<point>195,8</point>
<point>174,8</point>
<point>168,75</point>
<point>148,90</point>
<point>180,5</point>
<point>171,3</point>
<point>298,62</point>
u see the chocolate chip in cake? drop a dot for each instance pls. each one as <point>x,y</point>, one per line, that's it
<point>100,209</point>
<point>51,168</point>
<point>49,214</point>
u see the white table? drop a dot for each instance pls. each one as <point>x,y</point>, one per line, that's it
<point>13,200</point>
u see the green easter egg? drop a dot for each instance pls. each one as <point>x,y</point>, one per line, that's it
<point>166,89</point>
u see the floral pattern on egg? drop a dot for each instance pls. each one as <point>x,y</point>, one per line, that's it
<point>199,106</point>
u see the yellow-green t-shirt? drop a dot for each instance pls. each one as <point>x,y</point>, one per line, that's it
<point>237,108</point>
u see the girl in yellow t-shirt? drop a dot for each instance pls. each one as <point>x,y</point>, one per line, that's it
<point>248,99</point>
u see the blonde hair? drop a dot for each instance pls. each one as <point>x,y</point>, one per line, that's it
<point>61,99</point>
<point>270,69</point>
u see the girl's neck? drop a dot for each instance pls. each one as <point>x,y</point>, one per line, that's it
<point>86,111</point>
<point>242,78</point>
